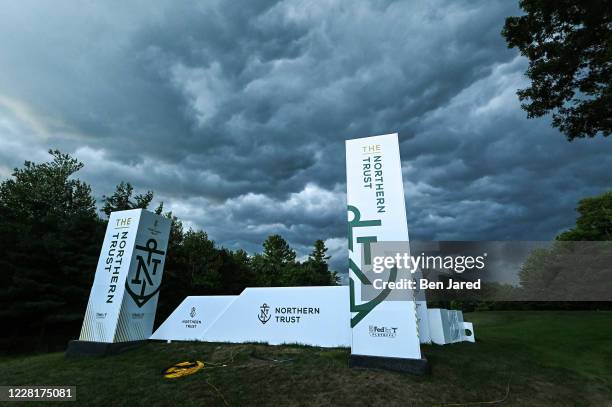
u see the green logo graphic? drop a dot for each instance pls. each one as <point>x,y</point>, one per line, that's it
<point>145,284</point>
<point>363,309</point>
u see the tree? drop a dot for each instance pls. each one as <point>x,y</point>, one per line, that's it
<point>277,250</point>
<point>319,269</point>
<point>40,190</point>
<point>568,271</point>
<point>569,46</point>
<point>236,272</point>
<point>121,199</point>
<point>576,265</point>
<point>319,253</point>
<point>595,220</point>
<point>272,267</point>
<point>50,236</point>
<point>202,262</point>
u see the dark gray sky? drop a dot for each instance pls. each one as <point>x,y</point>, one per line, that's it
<point>235,113</point>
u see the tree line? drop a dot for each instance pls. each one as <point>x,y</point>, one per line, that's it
<point>50,238</point>
<point>576,266</point>
<point>51,233</point>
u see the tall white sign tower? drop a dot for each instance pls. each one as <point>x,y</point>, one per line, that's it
<point>123,299</point>
<point>384,333</point>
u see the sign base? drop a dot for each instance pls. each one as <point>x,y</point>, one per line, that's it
<point>77,348</point>
<point>414,366</point>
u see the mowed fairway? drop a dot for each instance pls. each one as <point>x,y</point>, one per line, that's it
<point>521,358</point>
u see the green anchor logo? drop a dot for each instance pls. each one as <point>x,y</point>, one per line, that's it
<point>363,309</point>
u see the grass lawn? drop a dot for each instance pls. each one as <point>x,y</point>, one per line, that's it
<point>521,358</point>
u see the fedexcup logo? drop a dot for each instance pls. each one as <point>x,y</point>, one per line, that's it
<point>382,331</point>
<point>264,313</point>
<point>146,281</point>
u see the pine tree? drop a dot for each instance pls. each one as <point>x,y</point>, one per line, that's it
<point>319,253</point>
<point>319,269</point>
<point>277,250</point>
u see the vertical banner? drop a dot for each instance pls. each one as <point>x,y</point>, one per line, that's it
<point>125,291</point>
<point>377,212</point>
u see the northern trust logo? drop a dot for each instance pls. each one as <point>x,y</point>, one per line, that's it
<point>264,313</point>
<point>287,315</point>
<point>192,322</point>
<point>146,281</point>
<point>382,331</point>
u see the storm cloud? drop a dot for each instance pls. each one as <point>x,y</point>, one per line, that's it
<point>235,113</point>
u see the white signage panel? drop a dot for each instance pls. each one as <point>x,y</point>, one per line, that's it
<point>447,326</point>
<point>468,332</point>
<point>423,321</point>
<point>124,294</point>
<point>377,212</point>
<point>192,317</point>
<point>317,316</point>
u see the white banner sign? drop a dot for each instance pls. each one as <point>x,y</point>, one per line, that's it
<point>317,316</point>
<point>124,294</point>
<point>377,212</point>
<point>193,317</point>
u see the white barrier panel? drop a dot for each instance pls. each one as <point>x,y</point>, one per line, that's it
<point>192,317</point>
<point>125,290</point>
<point>316,316</point>
<point>447,326</point>
<point>423,321</point>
